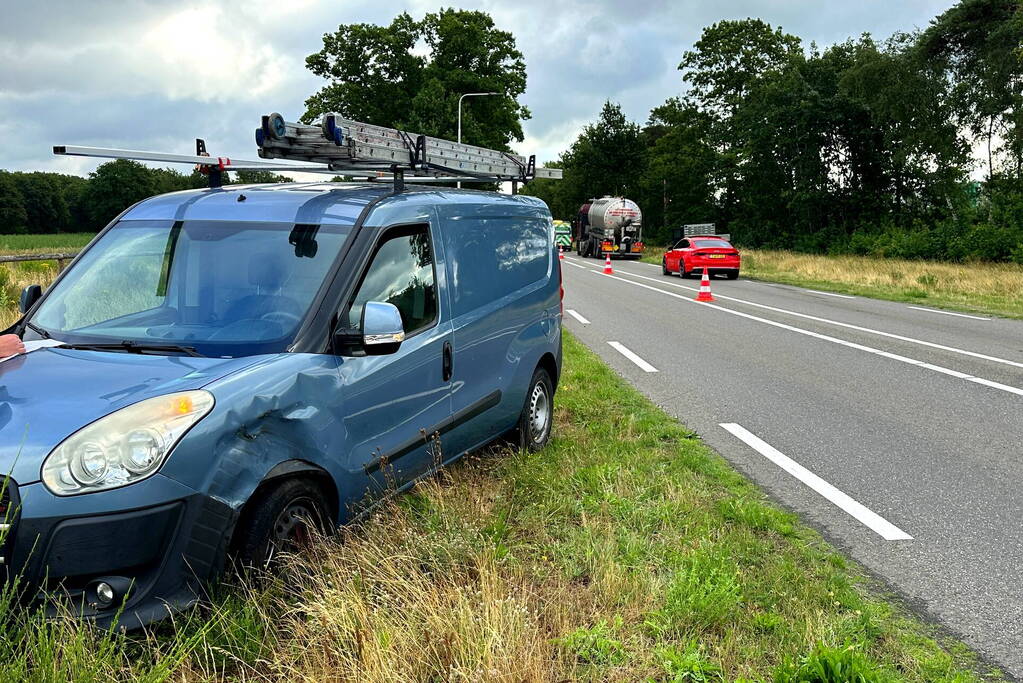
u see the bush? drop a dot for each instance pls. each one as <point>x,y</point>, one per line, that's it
<point>984,242</point>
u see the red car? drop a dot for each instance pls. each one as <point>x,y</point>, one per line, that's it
<point>694,253</point>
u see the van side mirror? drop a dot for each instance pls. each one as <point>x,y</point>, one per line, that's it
<point>380,332</point>
<point>29,296</point>
<point>382,329</point>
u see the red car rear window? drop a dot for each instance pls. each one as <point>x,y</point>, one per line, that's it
<point>711,243</point>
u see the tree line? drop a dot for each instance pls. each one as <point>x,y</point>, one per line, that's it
<point>863,147</point>
<point>41,203</point>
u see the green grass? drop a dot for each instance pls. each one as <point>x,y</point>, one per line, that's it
<point>986,288</point>
<point>626,550</point>
<point>16,244</point>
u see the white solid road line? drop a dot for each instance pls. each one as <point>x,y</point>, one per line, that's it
<point>578,317</point>
<point>858,328</point>
<point>824,337</point>
<point>958,315</point>
<point>875,522</point>
<point>643,365</point>
<point>575,264</point>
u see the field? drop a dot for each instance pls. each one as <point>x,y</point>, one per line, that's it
<point>15,276</point>
<point>626,550</point>
<point>989,288</point>
<point>27,244</point>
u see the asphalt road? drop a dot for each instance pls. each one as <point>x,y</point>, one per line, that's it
<point>897,432</point>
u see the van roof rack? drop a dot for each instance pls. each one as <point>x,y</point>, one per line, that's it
<point>339,146</point>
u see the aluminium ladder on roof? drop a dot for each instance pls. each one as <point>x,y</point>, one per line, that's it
<point>352,146</point>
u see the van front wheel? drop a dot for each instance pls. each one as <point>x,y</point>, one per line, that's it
<point>277,519</point>
<point>537,418</point>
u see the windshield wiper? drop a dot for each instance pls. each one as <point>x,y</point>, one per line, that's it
<point>130,346</point>
<point>38,330</point>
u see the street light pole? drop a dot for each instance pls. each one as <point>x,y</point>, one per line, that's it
<point>468,94</point>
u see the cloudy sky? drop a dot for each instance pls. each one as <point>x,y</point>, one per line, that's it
<point>155,74</point>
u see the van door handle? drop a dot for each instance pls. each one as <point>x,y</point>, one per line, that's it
<point>448,362</point>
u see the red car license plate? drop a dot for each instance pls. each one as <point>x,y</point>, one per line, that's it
<point>716,256</point>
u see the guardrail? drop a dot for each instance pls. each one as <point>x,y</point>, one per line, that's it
<point>60,258</point>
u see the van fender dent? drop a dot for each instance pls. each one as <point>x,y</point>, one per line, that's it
<point>279,417</point>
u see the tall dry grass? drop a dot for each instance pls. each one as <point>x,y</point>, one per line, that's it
<point>995,288</point>
<point>381,610</point>
<point>16,276</point>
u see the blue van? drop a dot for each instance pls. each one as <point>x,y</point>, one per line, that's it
<point>219,367</point>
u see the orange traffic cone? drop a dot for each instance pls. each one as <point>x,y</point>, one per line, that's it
<point>607,265</point>
<point>561,253</point>
<point>705,294</point>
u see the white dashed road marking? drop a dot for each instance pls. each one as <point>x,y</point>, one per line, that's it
<point>578,317</point>
<point>643,365</point>
<point>840,296</point>
<point>873,521</point>
<point>959,315</point>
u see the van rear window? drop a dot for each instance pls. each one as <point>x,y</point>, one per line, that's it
<point>494,257</point>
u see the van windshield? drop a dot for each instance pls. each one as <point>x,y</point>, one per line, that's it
<point>224,288</point>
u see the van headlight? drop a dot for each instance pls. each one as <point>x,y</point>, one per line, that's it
<point>123,447</point>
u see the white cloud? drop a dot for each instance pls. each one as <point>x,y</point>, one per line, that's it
<point>196,52</point>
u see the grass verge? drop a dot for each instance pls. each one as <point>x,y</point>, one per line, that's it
<point>626,550</point>
<point>987,288</point>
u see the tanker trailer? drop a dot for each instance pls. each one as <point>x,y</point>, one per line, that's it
<point>609,225</point>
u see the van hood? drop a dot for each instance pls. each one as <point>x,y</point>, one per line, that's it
<point>48,394</point>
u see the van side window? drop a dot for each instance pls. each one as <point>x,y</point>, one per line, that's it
<point>401,273</point>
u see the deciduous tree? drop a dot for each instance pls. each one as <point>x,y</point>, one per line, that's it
<point>379,75</point>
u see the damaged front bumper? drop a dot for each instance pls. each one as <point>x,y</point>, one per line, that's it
<point>157,543</point>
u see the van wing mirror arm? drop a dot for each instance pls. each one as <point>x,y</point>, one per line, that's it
<point>347,341</point>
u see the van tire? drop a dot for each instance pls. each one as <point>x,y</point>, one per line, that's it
<point>537,418</point>
<point>276,519</point>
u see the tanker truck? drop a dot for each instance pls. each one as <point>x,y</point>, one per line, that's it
<point>609,225</point>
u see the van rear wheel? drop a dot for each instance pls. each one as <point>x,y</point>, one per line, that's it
<point>537,418</point>
<point>283,517</point>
